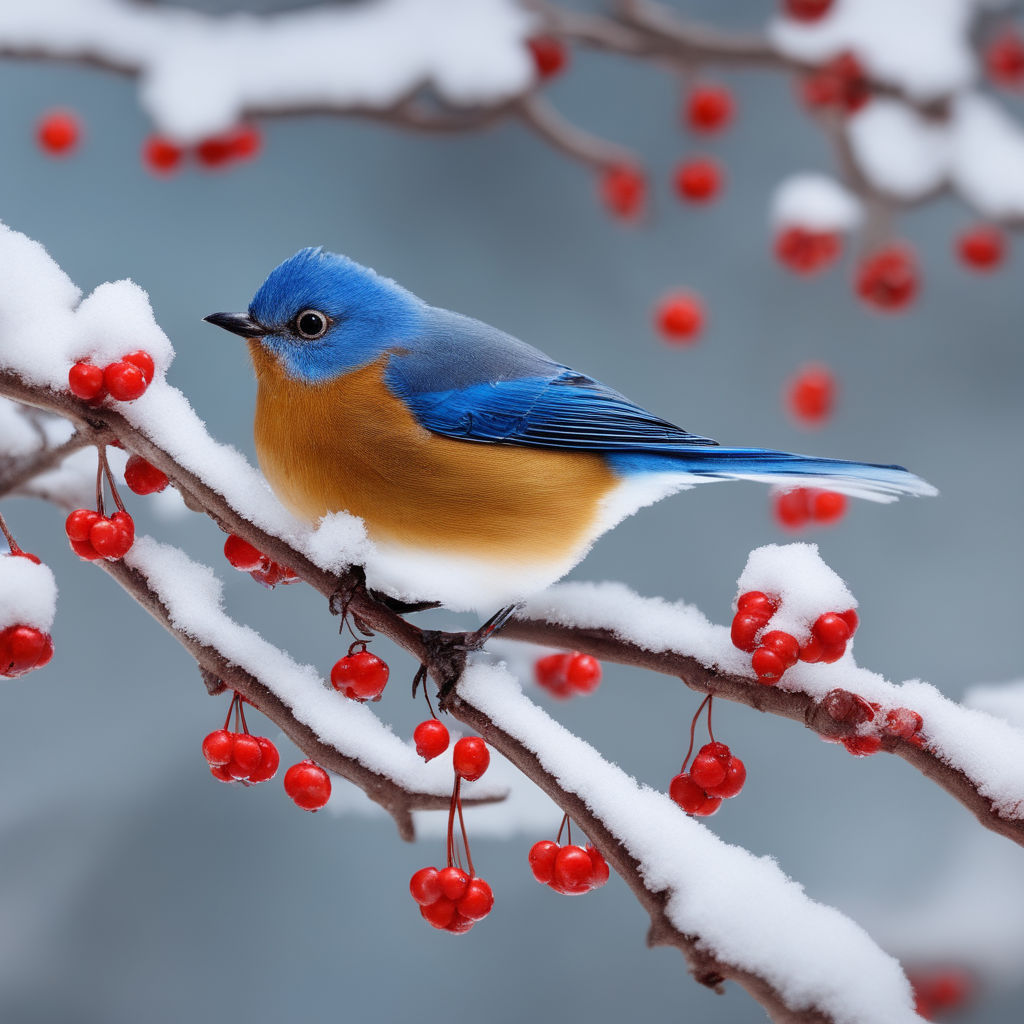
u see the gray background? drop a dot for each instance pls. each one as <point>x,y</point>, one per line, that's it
<point>134,887</point>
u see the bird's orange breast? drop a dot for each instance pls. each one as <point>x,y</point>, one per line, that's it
<point>349,444</point>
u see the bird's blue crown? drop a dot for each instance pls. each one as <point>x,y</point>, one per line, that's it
<point>366,314</point>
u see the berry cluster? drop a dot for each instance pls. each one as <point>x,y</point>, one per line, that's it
<point>851,709</point>
<point>800,506</point>
<point>124,380</point>
<point>143,477</point>
<point>570,870</point>
<point>775,651</point>
<point>163,157</point>
<point>360,675</point>
<point>811,395</point>
<point>238,756</point>
<point>93,535</point>
<point>565,675</point>
<point>714,776</point>
<point>450,899</point>
<point>308,785</point>
<point>805,251</point>
<point>263,569</point>
<point>22,649</point>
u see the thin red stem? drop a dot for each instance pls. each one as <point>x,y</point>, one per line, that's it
<point>711,701</point>
<point>99,479</point>
<point>693,730</point>
<point>231,707</point>
<point>110,480</point>
<point>565,821</point>
<point>15,549</point>
<point>451,823</point>
<point>462,826</point>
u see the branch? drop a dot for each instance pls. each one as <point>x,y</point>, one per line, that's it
<point>15,473</point>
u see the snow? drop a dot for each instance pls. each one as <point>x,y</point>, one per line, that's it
<point>922,46</point>
<point>193,597</point>
<point>200,73</point>
<point>1004,700</point>
<point>741,907</point>
<point>815,202</point>
<point>18,437</point>
<point>987,163</point>
<point>800,579</point>
<point>28,593</point>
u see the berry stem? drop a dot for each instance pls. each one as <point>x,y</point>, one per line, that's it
<point>100,460</point>
<point>110,480</point>
<point>12,543</point>
<point>710,703</point>
<point>231,707</point>
<point>462,825</point>
<point>693,730</point>
<point>561,828</point>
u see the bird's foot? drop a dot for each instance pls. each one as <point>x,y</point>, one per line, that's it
<point>349,587</point>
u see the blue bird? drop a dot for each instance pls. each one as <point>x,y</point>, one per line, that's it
<point>461,447</point>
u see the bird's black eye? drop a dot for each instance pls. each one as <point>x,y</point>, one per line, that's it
<point>311,323</point>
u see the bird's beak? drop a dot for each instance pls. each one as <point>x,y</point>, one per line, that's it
<point>237,323</point>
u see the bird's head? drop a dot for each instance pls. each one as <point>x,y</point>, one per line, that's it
<point>320,315</point>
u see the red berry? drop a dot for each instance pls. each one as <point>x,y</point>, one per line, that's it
<point>792,508</point>
<point>124,521</point>
<point>811,394</point>
<point>84,549</point>
<point>679,317</point>
<point>440,913</point>
<point>425,886</point>
<point>160,155</point>
<point>246,142</point>
<point>551,673</point>
<point>144,361</point>
<point>110,539</point>
<point>805,251</point>
<point>717,750</point>
<point>811,650</point>
<point>888,280</point>
<point>841,83</point>
<point>827,506</point>
<point>478,900</point>
<point>79,524</point>
<point>832,652</point>
<point>217,747</point>
<point>125,381</point>
<point>807,10</point>
<point>246,752</point>
<point>851,619</point>
<point>767,665</point>
<point>698,181</point>
<point>782,644</point>
<point>708,807</point>
<point>848,708</point>
<point>360,675</point>
<point>831,628</point>
<point>431,739</point>
<point>221,773</point>
<point>27,554</point>
<point>85,381</point>
<point>308,785</point>
<point>735,776</point>
<point>542,860</point>
<point>22,649</point>
<point>470,758</point>
<point>707,771</point>
<point>271,573</point>
<point>242,555</point>
<point>453,882</point>
<point>573,871</point>
<point>753,602</point>
<point>903,722</point>
<point>685,792</point>
<point>983,247</point>
<point>550,55</point>
<point>143,477</point>
<point>862,746</point>
<point>215,151</point>
<point>745,629</point>
<point>583,673</point>
<point>624,191</point>
<point>270,759</point>
<point>1004,58</point>
<point>709,108</point>
<point>600,873</point>
<point>58,133</point>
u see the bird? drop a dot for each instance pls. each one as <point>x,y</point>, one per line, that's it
<point>469,455</point>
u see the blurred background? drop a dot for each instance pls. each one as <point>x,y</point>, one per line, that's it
<point>134,886</point>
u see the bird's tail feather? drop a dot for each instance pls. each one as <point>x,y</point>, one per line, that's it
<point>860,479</point>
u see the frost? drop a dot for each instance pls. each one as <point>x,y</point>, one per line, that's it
<point>28,593</point>
<point>816,202</point>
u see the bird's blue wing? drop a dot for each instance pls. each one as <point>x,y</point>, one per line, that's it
<point>466,380</point>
